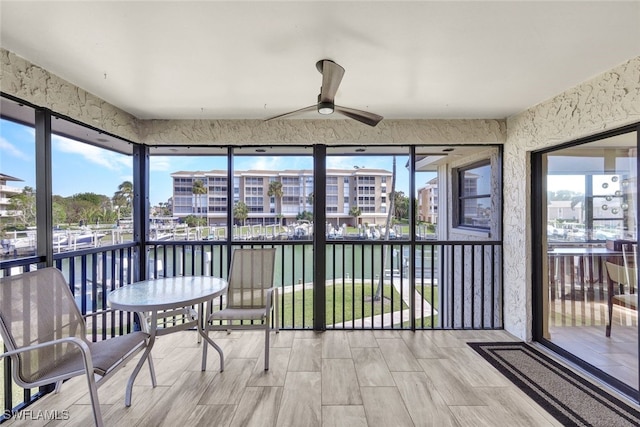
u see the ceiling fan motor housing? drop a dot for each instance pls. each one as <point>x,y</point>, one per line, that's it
<point>325,107</point>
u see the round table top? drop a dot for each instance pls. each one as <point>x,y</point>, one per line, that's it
<point>166,293</point>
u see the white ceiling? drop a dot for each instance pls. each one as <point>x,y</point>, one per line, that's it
<point>253,60</point>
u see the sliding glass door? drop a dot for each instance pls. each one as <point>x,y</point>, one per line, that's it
<point>588,295</point>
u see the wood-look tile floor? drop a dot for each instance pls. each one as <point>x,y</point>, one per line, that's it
<point>335,378</point>
<point>579,327</point>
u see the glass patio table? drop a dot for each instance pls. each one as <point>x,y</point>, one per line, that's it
<point>167,298</point>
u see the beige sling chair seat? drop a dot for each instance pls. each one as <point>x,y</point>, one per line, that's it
<point>621,290</point>
<point>251,300</point>
<point>45,335</point>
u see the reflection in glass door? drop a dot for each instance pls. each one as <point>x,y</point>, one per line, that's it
<point>589,285</point>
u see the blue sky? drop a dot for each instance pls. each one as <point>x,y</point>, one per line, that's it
<point>82,168</point>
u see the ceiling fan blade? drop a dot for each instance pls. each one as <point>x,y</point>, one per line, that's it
<point>291,113</point>
<point>365,117</point>
<point>331,77</point>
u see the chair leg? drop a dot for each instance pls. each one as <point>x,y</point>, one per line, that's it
<point>95,402</point>
<point>275,312</point>
<point>266,346</point>
<point>610,309</point>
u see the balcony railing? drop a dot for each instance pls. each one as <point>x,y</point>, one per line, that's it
<point>369,284</point>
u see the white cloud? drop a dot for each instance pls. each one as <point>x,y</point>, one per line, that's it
<point>161,163</point>
<point>340,162</point>
<point>11,150</point>
<point>105,158</point>
<point>349,162</point>
<point>265,163</point>
<point>275,163</point>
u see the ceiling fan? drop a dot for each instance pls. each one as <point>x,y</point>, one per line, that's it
<point>331,77</point>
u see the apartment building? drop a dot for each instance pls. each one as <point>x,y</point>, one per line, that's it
<point>6,191</point>
<point>473,198</point>
<point>428,202</point>
<point>358,196</point>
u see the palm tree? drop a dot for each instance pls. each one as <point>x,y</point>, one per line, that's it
<point>124,198</point>
<point>240,212</point>
<point>275,190</point>
<point>355,212</point>
<point>198,189</point>
<point>387,225</point>
<point>401,205</point>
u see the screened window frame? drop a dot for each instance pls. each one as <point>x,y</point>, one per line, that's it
<point>458,177</point>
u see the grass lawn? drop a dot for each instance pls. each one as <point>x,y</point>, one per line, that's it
<point>430,294</point>
<point>343,304</point>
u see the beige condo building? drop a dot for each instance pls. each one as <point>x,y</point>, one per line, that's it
<point>360,190</point>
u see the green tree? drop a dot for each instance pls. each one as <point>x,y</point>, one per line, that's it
<point>198,189</point>
<point>401,203</point>
<point>241,212</point>
<point>93,198</point>
<point>275,190</point>
<point>355,212</point>
<point>91,214</point>
<point>123,198</point>
<point>305,215</point>
<point>59,213</point>
<point>76,209</point>
<point>86,207</point>
<point>164,209</point>
<point>193,220</point>
<point>23,207</point>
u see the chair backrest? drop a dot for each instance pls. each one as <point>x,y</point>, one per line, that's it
<point>621,274</point>
<point>38,307</point>
<point>251,274</point>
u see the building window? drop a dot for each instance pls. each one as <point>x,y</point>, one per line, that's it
<point>473,195</point>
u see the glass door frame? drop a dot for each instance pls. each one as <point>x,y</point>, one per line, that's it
<point>539,266</point>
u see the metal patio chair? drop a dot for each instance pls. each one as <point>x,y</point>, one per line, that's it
<point>622,289</point>
<point>251,297</point>
<point>45,335</point>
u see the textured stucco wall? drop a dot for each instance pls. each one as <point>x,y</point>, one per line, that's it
<point>331,131</point>
<point>33,84</point>
<point>605,102</point>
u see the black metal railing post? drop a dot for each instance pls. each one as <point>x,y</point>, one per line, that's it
<point>319,237</point>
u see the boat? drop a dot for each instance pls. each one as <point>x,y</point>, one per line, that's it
<point>18,243</point>
<point>301,230</point>
<point>72,240</point>
<point>336,233</point>
<point>372,233</point>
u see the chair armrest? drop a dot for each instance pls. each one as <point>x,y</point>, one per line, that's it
<point>272,293</point>
<point>85,352</point>
<point>84,348</point>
